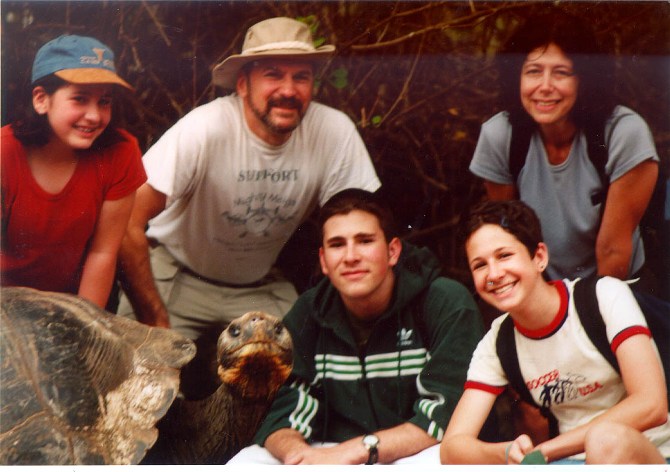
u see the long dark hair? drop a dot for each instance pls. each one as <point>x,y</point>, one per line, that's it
<point>33,129</point>
<point>578,41</point>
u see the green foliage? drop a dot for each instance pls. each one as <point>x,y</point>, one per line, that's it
<point>313,23</point>
<point>338,78</point>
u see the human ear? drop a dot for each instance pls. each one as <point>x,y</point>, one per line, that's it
<point>541,257</point>
<point>395,248</point>
<point>242,84</point>
<point>40,100</point>
<point>322,262</point>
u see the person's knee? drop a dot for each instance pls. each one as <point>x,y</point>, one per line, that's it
<point>609,443</point>
<point>615,443</point>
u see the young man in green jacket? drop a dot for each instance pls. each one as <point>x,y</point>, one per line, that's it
<point>382,347</point>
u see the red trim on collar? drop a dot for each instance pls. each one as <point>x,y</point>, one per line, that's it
<point>558,320</point>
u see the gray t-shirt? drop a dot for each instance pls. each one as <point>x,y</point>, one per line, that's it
<point>561,194</point>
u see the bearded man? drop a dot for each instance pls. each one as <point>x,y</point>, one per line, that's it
<point>231,181</point>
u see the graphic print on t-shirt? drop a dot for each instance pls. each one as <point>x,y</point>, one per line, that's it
<point>259,212</point>
<point>555,389</point>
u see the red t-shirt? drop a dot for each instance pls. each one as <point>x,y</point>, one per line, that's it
<point>45,236</point>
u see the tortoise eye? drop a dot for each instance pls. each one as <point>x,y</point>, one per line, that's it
<point>279,328</point>
<point>234,331</point>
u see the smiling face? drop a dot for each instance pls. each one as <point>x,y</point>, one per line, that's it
<point>77,113</point>
<point>276,97</point>
<point>504,273</point>
<point>358,260</point>
<point>548,86</point>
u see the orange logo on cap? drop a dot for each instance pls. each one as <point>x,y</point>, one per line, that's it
<point>97,59</point>
<point>99,52</point>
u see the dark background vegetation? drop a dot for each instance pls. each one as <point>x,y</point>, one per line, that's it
<point>416,77</point>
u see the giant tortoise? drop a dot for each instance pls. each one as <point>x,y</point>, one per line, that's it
<point>82,386</point>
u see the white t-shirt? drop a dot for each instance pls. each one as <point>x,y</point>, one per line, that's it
<point>562,368</point>
<point>234,200</point>
<point>561,194</point>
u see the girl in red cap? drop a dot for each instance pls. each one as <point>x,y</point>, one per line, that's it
<point>68,176</point>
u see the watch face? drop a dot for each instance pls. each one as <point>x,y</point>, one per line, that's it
<point>371,440</point>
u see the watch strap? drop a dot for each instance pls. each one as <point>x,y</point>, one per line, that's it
<point>373,456</point>
<point>371,443</point>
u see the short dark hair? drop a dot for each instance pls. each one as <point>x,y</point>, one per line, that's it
<point>346,201</point>
<point>575,36</point>
<point>33,129</point>
<point>514,216</point>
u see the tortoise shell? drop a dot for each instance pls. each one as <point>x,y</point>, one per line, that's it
<point>79,385</point>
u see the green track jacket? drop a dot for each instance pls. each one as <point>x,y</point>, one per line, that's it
<point>413,368</point>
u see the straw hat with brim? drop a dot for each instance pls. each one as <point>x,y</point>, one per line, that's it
<point>78,60</point>
<point>281,37</point>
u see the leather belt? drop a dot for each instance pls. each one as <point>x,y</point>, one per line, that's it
<point>218,283</point>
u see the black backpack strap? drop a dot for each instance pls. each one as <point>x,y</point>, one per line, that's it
<point>586,305</point>
<point>598,155</point>
<point>597,149</point>
<point>506,351</point>
<point>518,149</point>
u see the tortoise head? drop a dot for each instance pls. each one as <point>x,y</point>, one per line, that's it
<point>255,355</point>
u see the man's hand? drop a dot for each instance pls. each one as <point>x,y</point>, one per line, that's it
<point>403,440</point>
<point>349,453</point>
<point>290,447</point>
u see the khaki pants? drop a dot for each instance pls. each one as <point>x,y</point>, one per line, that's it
<point>201,310</point>
<point>195,306</point>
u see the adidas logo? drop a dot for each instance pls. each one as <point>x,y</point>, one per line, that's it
<point>405,337</point>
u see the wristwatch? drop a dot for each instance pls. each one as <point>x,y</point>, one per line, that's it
<point>371,443</point>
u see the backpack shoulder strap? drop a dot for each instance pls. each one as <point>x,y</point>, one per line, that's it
<point>506,351</point>
<point>586,306</point>
<point>596,147</point>
<point>518,149</point>
<point>597,150</point>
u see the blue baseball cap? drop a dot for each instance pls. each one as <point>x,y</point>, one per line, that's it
<point>78,60</point>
